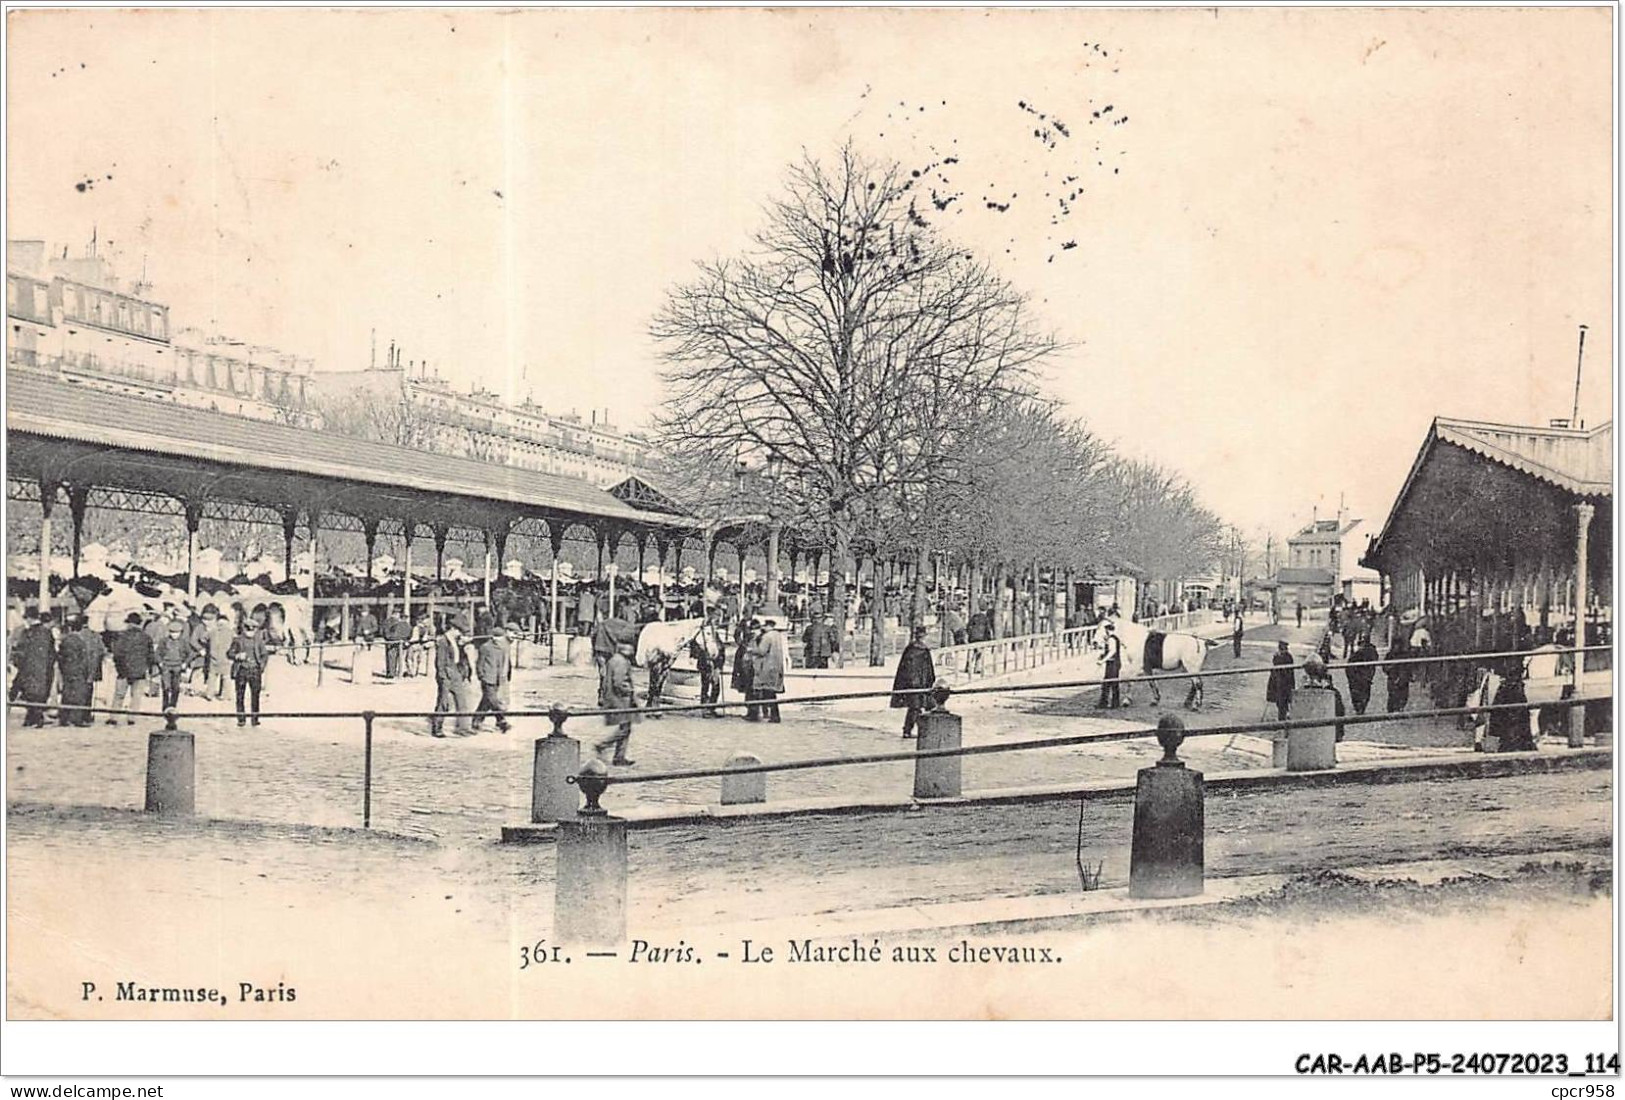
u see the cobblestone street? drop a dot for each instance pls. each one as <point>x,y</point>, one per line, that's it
<point>310,771</point>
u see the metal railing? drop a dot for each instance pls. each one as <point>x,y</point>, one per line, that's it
<point>559,715</point>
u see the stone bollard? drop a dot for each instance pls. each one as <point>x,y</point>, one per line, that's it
<point>171,771</point>
<point>741,789</point>
<point>938,776</point>
<point>1312,748</point>
<point>552,798</point>
<point>589,900</point>
<point>1165,859</point>
<point>579,651</point>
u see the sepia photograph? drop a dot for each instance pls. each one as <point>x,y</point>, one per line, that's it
<point>824,514</point>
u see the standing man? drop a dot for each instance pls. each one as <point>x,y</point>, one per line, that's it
<point>133,662</point>
<point>618,692</point>
<point>397,632</point>
<point>248,655</point>
<point>1281,681</point>
<point>819,642</point>
<point>453,674</point>
<point>217,646</point>
<point>80,659</point>
<point>157,630</point>
<point>767,668</point>
<point>1236,632</point>
<point>1300,612</point>
<point>1111,651</point>
<point>915,670</point>
<point>492,668</point>
<point>174,657</point>
<point>33,654</point>
<point>707,652</point>
<point>1361,678</point>
<point>366,627</point>
<point>1399,674</point>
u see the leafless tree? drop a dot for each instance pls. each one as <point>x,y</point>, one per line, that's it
<point>852,341</point>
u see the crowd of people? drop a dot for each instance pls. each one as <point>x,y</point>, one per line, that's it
<point>160,653</point>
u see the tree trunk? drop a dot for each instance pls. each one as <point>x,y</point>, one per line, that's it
<point>839,551</point>
<point>996,612</point>
<point>877,617</point>
<point>916,611</point>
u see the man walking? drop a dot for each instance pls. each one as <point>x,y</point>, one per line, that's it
<point>453,674</point>
<point>1236,632</point>
<point>248,656</point>
<point>33,655</point>
<point>1111,651</point>
<point>1281,683</point>
<point>80,659</point>
<point>915,670</point>
<point>133,657</point>
<point>617,692</point>
<point>492,667</point>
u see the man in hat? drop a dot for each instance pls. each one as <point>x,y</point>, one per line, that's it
<point>766,670</point>
<point>491,666</point>
<point>915,670</point>
<point>33,655</point>
<point>1317,678</point>
<point>174,657</point>
<point>1279,688</point>
<point>707,651</point>
<point>248,655</point>
<point>397,632</point>
<point>133,662</point>
<point>1361,678</point>
<point>80,659</point>
<point>1111,652</point>
<point>156,626</point>
<point>453,676</point>
<point>819,642</point>
<point>618,692</point>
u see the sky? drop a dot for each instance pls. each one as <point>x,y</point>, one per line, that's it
<point>1295,237</point>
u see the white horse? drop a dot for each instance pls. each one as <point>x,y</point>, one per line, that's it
<point>1180,653</point>
<point>660,646</point>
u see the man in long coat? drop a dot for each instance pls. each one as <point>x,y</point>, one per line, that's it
<point>618,691</point>
<point>80,659</point>
<point>819,642</point>
<point>452,675</point>
<point>1361,679</point>
<point>766,673</point>
<point>1281,682</point>
<point>216,642</point>
<point>33,654</point>
<point>1399,675</point>
<point>915,669</point>
<point>492,670</point>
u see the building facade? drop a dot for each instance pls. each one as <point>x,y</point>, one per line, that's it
<point>481,425</point>
<point>73,319</point>
<point>1323,562</point>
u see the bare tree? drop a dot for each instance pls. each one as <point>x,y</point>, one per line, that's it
<point>852,341</point>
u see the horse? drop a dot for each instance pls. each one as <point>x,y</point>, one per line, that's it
<point>660,645</point>
<point>1180,653</point>
<point>285,620</point>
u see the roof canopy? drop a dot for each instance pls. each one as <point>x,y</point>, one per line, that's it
<point>63,431</point>
<point>1481,495</point>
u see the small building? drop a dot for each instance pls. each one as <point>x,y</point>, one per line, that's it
<point>1311,589</point>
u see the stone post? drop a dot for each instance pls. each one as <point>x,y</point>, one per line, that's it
<point>1166,858</point>
<point>742,789</point>
<point>171,771</point>
<point>938,776</point>
<point>589,906</point>
<point>558,756</point>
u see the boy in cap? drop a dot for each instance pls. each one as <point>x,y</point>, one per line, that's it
<point>174,656</point>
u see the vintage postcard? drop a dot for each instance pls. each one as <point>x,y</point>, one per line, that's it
<point>847,514</point>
